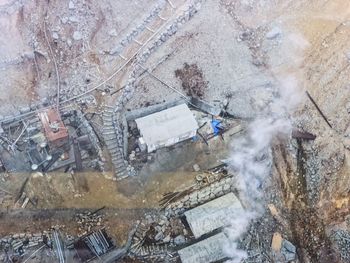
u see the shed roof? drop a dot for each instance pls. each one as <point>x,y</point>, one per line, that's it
<point>54,128</point>
<point>205,251</point>
<point>214,214</point>
<point>167,124</point>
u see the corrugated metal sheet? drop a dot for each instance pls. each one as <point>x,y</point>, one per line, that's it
<point>167,127</point>
<point>93,245</point>
<point>205,251</point>
<point>214,214</point>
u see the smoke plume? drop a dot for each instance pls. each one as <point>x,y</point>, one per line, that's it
<point>251,156</point>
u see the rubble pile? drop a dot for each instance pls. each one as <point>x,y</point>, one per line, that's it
<point>40,147</point>
<point>156,237</point>
<point>162,234</point>
<point>25,240</point>
<point>192,80</point>
<point>342,240</point>
<point>21,245</point>
<point>17,244</point>
<point>88,222</point>
<point>70,65</point>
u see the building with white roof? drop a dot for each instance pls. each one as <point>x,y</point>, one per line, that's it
<point>167,127</point>
<point>215,214</point>
<point>205,251</point>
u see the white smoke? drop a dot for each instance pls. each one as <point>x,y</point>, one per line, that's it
<point>251,161</point>
<point>251,157</point>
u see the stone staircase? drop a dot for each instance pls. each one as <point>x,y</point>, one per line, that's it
<point>147,252</point>
<point>113,141</point>
<point>153,250</point>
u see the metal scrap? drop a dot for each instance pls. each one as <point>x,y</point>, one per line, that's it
<point>296,134</point>
<point>21,190</point>
<point>93,245</point>
<point>12,146</point>
<point>318,109</point>
<point>59,246</point>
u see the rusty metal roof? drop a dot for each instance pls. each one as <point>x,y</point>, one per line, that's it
<point>54,128</point>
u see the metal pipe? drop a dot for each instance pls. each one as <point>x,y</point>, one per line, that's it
<point>318,109</point>
<point>36,251</point>
<point>56,68</point>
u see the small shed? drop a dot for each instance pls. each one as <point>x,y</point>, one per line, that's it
<point>205,251</point>
<point>167,127</point>
<point>54,129</point>
<point>215,214</point>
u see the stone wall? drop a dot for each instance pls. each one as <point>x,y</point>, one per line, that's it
<point>203,195</point>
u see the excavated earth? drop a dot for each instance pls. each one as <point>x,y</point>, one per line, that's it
<point>240,51</point>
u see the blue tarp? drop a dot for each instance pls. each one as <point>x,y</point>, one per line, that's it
<point>216,125</point>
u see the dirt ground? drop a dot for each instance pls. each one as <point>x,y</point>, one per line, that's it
<point>58,192</point>
<point>60,196</point>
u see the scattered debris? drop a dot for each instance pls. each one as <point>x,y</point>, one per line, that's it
<point>205,107</point>
<point>192,80</point>
<point>77,35</point>
<point>284,250</point>
<point>296,134</point>
<point>93,245</point>
<point>71,5</point>
<point>89,122</point>
<point>196,168</point>
<point>89,221</point>
<point>273,33</point>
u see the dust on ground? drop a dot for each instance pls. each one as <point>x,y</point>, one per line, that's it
<point>59,199</point>
<point>235,60</point>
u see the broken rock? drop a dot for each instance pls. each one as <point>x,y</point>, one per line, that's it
<point>179,240</point>
<point>77,35</point>
<point>71,5</point>
<point>55,35</point>
<point>196,168</point>
<point>113,33</point>
<point>159,236</point>
<point>167,239</point>
<point>73,19</point>
<point>273,33</point>
<point>288,250</point>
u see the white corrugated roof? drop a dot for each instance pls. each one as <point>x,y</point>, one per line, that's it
<point>205,251</point>
<point>214,214</point>
<point>167,124</point>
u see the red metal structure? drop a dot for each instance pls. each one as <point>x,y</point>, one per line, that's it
<point>54,129</point>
